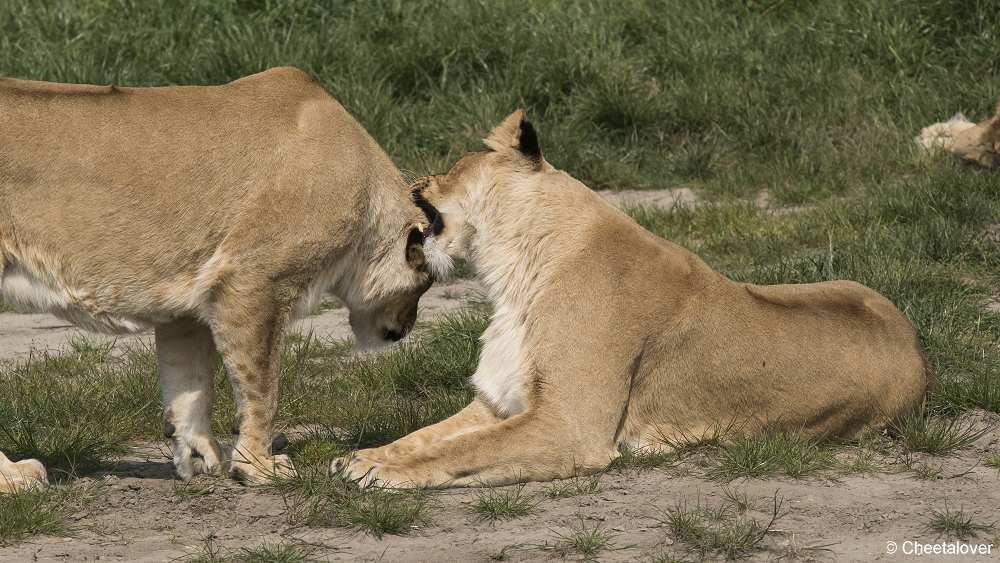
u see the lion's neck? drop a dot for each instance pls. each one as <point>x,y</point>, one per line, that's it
<point>524,232</point>
<point>516,244</point>
<point>508,256</point>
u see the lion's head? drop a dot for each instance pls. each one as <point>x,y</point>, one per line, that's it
<point>387,310</point>
<point>512,147</point>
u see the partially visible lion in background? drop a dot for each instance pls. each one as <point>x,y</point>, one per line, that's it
<point>213,215</point>
<point>975,145</point>
<point>605,335</point>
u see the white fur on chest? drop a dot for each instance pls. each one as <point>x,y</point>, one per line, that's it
<point>503,372</point>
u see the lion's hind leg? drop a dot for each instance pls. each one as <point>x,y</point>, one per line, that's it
<point>185,355</point>
<point>22,475</point>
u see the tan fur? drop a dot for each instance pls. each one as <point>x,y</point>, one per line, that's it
<point>977,145</point>
<point>942,135</point>
<point>605,334</point>
<point>214,215</point>
<point>24,475</point>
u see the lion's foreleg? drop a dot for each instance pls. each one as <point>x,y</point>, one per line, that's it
<point>527,447</point>
<point>250,345</point>
<point>478,414</point>
<point>185,355</point>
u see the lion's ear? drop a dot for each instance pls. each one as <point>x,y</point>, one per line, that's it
<point>435,224</point>
<point>517,133</point>
<point>415,249</point>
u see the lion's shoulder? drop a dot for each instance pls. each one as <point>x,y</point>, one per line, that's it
<point>286,80</point>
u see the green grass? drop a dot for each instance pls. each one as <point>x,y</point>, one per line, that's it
<point>576,486</point>
<point>9,308</point>
<point>381,512</point>
<point>588,541</point>
<point>316,450</point>
<point>671,451</point>
<point>316,498</point>
<point>992,461</point>
<point>75,409</point>
<point>814,102</point>
<point>925,472</point>
<point>645,458</point>
<point>731,455</point>
<point>374,400</point>
<point>727,530</point>
<point>935,435</point>
<point>956,524</point>
<point>462,270</point>
<point>265,553</point>
<point>48,407</point>
<point>858,459</point>
<point>200,486</point>
<point>809,101</point>
<point>30,513</point>
<point>768,453</point>
<point>502,554</point>
<point>327,304</point>
<point>504,503</point>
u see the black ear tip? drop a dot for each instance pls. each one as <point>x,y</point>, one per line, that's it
<point>528,142</point>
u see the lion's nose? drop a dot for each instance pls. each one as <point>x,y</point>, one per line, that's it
<point>393,335</point>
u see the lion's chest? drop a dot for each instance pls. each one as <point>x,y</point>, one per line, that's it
<point>504,367</point>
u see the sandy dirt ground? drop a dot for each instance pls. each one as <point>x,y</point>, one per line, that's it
<point>837,517</point>
<point>834,517</point>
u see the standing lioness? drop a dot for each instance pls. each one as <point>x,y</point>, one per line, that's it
<point>604,334</point>
<point>213,214</point>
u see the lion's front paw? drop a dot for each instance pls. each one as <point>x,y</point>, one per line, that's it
<point>28,474</point>
<point>194,455</point>
<point>369,473</point>
<point>342,464</point>
<point>356,469</point>
<point>259,469</point>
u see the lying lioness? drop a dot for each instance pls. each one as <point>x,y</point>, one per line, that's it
<point>979,145</point>
<point>214,215</point>
<point>975,145</point>
<point>605,334</point>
